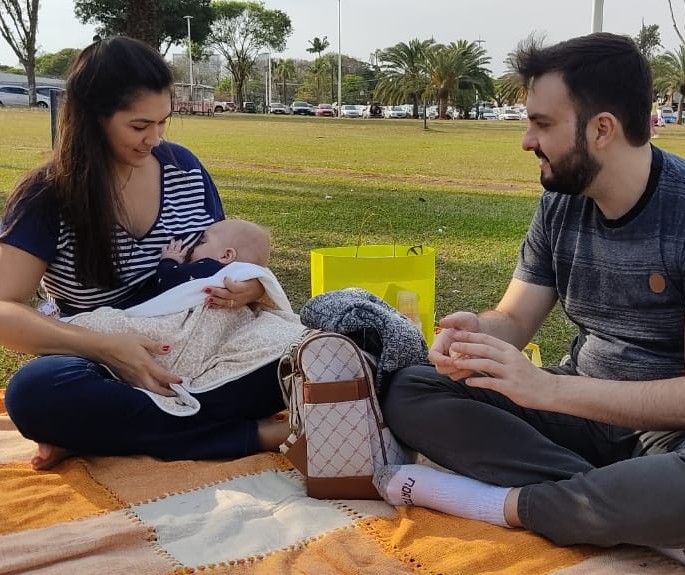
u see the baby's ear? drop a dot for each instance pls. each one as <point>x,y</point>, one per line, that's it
<point>229,256</point>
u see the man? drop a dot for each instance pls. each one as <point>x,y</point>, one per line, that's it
<point>560,451</point>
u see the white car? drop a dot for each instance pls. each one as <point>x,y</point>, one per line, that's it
<point>349,111</point>
<point>509,114</point>
<point>18,97</point>
<point>395,112</point>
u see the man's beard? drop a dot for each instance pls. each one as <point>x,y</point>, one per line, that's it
<point>573,173</point>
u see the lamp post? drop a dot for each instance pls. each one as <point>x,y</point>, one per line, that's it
<point>339,65</point>
<point>597,15</point>
<point>190,57</point>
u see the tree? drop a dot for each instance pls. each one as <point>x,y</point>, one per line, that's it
<point>648,40</point>
<point>404,73</point>
<point>167,27</point>
<point>56,65</point>
<point>318,46</point>
<point>671,75</point>
<point>18,26</point>
<point>675,24</point>
<point>509,87</point>
<point>458,66</point>
<point>354,89</point>
<point>241,30</point>
<point>284,70</point>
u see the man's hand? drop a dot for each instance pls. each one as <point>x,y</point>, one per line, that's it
<point>175,251</point>
<point>501,367</point>
<point>441,354</point>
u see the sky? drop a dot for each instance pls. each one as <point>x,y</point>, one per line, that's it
<point>368,25</point>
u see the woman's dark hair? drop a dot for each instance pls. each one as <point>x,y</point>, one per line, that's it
<point>106,77</point>
<point>603,73</point>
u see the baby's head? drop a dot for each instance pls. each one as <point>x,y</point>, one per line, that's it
<point>234,241</point>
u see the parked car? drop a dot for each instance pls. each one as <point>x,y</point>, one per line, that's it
<point>349,111</point>
<point>325,110</point>
<point>667,115</point>
<point>301,109</point>
<point>373,111</point>
<point>509,114</point>
<point>487,114</point>
<point>278,108</point>
<point>249,107</point>
<point>222,106</point>
<point>395,112</point>
<point>18,97</point>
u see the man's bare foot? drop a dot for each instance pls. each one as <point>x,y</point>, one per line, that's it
<point>271,433</point>
<point>47,456</point>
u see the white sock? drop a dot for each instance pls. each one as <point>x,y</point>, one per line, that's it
<point>446,492</point>
<point>674,553</point>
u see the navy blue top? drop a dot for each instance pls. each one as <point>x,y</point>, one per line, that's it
<point>170,273</point>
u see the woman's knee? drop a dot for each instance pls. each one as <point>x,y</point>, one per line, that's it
<point>34,393</point>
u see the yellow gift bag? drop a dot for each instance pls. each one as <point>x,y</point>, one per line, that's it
<point>402,275</point>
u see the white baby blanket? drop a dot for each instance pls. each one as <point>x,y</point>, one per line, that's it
<point>209,347</point>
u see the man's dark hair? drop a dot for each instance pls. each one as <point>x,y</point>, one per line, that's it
<point>603,73</point>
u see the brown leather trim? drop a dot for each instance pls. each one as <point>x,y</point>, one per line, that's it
<point>297,455</point>
<point>335,391</point>
<point>341,488</point>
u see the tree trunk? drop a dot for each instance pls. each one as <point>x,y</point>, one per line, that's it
<point>30,67</point>
<point>141,21</point>
<point>443,97</point>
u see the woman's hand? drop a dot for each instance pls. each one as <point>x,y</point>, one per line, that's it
<point>234,294</point>
<point>132,359</point>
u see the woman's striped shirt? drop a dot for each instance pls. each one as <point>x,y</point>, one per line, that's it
<point>190,202</point>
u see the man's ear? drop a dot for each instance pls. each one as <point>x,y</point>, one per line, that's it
<point>605,128</point>
<point>230,255</point>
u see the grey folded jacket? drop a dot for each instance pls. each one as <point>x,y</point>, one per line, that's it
<point>395,339</point>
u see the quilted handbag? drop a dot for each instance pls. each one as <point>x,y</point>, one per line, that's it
<point>338,438</point>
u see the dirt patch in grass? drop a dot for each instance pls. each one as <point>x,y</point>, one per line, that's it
<point>422,179</point>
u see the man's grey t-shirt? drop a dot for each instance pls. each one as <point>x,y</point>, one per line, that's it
<point>620,281</point>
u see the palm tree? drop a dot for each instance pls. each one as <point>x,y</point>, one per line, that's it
<point>318,45</point>
<point>510,89</point>
<point>284,70</point>
<point>670,75</point>
<point>458,66</point>
<point>404,73</point>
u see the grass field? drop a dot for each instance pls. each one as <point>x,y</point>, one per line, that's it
<point>464,187</point>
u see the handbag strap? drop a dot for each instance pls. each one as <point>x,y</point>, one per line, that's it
<point>372,214</point>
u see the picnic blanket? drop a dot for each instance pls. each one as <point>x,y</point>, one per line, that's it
<point>138,515</point>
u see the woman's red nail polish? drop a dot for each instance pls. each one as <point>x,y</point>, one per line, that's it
<point>210,300</point>
<point>166,348</point>
<point>208,290</point>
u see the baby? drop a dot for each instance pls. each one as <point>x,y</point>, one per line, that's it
<point>222,243</point>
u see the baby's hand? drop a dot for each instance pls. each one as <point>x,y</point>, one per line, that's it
<point>175,251</point>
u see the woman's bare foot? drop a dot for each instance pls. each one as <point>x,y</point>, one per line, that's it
<point>47,456</point>
<point>271,433</point>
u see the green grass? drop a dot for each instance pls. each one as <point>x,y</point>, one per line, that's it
<point>466,188</point>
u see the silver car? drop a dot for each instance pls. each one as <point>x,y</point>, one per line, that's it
<point>18,97</point>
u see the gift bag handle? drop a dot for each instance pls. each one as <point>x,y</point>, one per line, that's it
<point>367,217</point>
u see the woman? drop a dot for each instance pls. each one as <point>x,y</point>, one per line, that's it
<point>89,225</point>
